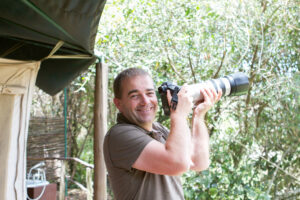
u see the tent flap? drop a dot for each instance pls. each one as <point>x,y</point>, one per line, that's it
<point>29,29</point>
<point>14,117</point>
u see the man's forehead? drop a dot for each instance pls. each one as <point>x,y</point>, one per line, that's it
<point>138,83</point>
<point>137,80</point>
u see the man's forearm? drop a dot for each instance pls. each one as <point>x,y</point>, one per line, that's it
<point>200,144</point>
<point>179,140</point>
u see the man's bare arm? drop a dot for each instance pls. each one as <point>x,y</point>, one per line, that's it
<point>200,135</point>
<point>173,157</point>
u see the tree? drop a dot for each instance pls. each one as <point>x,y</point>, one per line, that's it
<point>255,145</point>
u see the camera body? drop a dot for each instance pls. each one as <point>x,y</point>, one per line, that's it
<point>235,84</point>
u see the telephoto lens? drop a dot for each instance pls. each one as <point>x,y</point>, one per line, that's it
<point>235,84</point>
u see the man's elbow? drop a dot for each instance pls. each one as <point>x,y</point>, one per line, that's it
<point>180,167</point>
<point>201,167</point>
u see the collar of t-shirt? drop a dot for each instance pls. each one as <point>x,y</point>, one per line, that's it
<point>155,133</point>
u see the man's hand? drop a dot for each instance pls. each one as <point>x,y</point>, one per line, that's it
<point>210,98</point>
<point>200,136</point>
<point>185,102</point>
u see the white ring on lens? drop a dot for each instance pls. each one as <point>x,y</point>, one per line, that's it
<point>218,83</point>
<point>227,86</point>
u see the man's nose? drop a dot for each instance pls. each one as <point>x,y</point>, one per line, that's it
<point>145,99</point>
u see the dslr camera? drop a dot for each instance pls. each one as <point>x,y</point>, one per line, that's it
<point>235,84</point>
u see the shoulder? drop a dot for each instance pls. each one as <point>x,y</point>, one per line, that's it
<point>119,129</point>
<point>125,133</point>
<point>159,127</point>
<point>123,144</point>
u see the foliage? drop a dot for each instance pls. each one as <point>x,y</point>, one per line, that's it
<point>255,137</point>
<point>80,103</point>
<point>80,100</point>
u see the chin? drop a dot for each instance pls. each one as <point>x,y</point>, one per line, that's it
<point>146,120</point>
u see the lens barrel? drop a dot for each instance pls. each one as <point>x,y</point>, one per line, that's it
<point>234,84</point>
<point>239,83</point>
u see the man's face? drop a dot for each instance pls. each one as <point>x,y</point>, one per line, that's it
<point>138,102</point>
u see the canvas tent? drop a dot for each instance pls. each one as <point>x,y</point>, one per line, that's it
<point>17,82</point>
<point>47,43</point>
<point>29,29</point>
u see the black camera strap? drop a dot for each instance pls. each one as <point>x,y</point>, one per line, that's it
<point>174,99</point>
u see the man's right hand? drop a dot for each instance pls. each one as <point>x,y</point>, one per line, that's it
<point>185,102</point>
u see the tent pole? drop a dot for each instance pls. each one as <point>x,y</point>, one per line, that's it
<point>65,133</point>
<point>100,128</point>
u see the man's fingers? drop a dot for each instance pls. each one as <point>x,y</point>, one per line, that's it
<point>212,93</point>
<point>214,96</point>
<point>183,89</point>
<point>204,93</point>
<point>208,94</point>
<point>169,97</point>
<point>219,95</point>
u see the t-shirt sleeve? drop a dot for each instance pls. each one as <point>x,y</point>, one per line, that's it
<point>162,129</point>
<point>125,144</point>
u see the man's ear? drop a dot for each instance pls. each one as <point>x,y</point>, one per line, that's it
<point>118,103</point>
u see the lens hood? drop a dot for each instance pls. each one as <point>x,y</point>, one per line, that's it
<point>239,83</point>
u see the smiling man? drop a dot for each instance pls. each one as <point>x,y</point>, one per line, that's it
<point>138,102</point>
<point>143,158</point>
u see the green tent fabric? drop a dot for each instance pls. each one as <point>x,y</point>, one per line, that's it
<point>30,29</point>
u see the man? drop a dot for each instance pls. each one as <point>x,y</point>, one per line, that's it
<point>144,159</point>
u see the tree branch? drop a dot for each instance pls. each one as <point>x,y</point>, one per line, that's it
<point>192,68</point>
<point>251,79</point>
<point>86,136</point>
<point>288,195</point>
<point>221,64</point>
<point>268,161</point>
<point>77,160</point>
<point>276,170</point>
<point>78,184</point>
<point>172,65</point>
<point>224,54</point>
<point>260,109</point>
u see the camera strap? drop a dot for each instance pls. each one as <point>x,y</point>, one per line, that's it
<point>174,99</point>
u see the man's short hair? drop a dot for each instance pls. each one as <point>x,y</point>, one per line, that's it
<point>127,73</point>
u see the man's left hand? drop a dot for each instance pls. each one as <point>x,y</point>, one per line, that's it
<point>210,98</point>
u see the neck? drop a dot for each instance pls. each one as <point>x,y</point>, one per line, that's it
<point>147,127</point>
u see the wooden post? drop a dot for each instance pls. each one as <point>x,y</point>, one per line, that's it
<point>100,125</point>
<point>62,181</point>
<point>89,184</point>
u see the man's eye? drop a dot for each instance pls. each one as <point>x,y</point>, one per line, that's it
<point>133,96</point>
<point>150,93</point>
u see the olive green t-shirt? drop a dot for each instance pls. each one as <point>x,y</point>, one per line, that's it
<point>122,146</point>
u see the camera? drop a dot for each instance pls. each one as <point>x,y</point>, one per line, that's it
<point>234,84</point>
